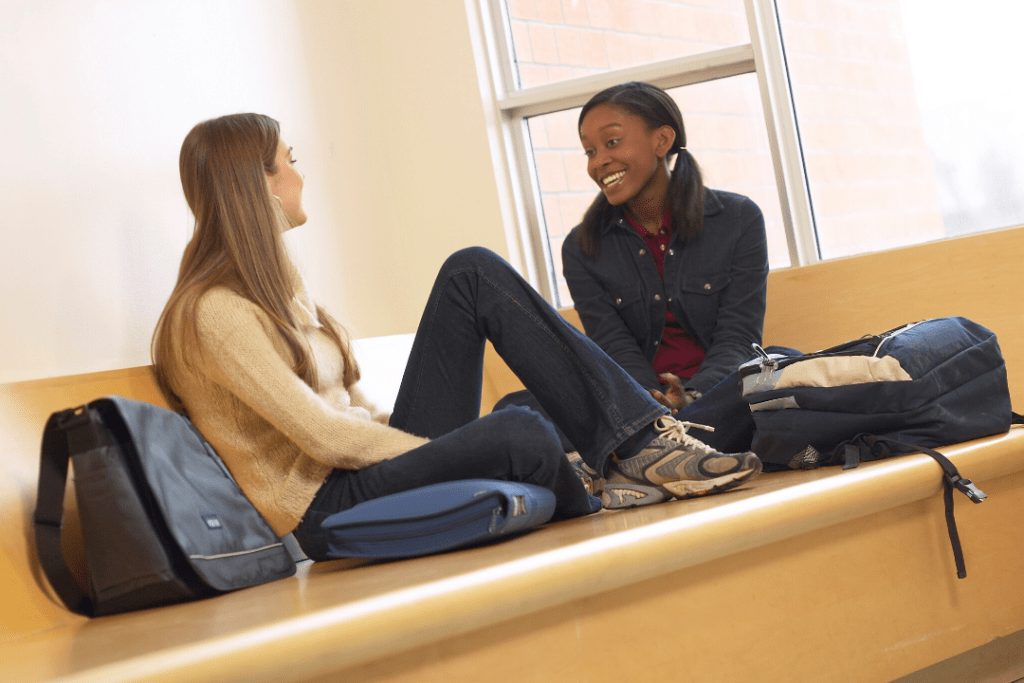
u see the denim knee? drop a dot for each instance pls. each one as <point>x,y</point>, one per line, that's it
<point>530,436</point>
<point>468,257</point>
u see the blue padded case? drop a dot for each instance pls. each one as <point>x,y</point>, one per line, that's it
<point>438,517</point>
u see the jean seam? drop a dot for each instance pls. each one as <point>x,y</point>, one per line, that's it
<point>606,400</point>
<point>429,319</point>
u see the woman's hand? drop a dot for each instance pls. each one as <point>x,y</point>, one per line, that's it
<point>675,397</point>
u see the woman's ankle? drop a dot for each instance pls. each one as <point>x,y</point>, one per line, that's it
<point>636,443</point>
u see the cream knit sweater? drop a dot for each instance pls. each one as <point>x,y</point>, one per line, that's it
<point>279,438</point>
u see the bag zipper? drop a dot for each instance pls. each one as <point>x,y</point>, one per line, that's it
<point>767,364</point>
<point>440,522</point>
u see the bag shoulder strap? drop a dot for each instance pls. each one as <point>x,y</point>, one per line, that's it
<point>951,479</point>
<point>65,431</point>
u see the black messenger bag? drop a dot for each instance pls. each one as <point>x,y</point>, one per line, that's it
<point>162,519</point>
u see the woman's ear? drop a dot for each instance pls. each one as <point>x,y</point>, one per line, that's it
<point>664,137</point>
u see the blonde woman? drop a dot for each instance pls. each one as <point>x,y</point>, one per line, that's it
<point>269,377</point>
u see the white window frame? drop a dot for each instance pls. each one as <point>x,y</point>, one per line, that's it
<point>508,107</point>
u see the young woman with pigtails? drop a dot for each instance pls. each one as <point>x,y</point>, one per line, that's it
<point>668,276</point>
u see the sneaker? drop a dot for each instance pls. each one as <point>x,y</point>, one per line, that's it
<point>592,482</point>
<point>675,465</point>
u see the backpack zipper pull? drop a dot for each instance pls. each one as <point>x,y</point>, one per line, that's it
<point>765,379</point>
<point>766,360</point>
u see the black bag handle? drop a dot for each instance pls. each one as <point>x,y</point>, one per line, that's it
<point>68,430</point>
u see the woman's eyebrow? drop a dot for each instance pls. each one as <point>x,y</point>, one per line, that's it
<point>607,125</point>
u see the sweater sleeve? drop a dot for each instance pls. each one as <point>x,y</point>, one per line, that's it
<point>238,353</point>
<point>360,400</point>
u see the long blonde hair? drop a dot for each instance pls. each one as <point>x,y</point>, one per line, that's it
<point>236,244</point>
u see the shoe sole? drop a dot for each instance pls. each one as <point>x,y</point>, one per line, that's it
<point>686,488</point>
<point>621,496</point>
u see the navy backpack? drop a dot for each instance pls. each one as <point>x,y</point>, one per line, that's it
<point>914,388</point>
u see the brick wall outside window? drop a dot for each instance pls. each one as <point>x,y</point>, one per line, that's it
<point>869,168</point>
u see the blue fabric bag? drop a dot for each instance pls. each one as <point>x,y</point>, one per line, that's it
<point>914,388</point>
<point>932,383</point>
<point>162,519</point>
<point>436,518</point>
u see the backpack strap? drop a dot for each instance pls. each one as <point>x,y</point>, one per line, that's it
<point>66,431</point>
<point>851,455</point>
<point>951,479</point>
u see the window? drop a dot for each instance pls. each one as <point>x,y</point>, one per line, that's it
<point>909,127</point>
<point>836,116</point>
<point>555,40</point>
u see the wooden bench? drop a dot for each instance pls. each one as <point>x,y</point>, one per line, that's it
<point>798,576</point>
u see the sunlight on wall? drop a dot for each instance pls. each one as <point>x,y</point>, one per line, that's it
<point>98,97</point>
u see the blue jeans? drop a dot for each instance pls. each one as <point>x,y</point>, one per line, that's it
<point>722,408</point>
<point>478,297</point>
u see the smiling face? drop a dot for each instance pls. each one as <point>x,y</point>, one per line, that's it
<point>625,157</point>
<point>286,184</point>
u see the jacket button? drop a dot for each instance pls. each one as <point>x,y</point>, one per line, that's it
<point>618,302</point>
<point>671,252</point>
<point>657,297</point>
<point>670,299</point>
<point>707,285</point>
<point>643,251</point>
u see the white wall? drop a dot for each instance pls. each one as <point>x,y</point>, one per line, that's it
<point>380,100</point>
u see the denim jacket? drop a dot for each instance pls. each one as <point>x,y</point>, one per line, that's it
<point>715,285</point>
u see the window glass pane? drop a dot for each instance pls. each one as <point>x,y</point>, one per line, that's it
<point>725,131</point>
<point>911,127</point>
<point>554,40</point>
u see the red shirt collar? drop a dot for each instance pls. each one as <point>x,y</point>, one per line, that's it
<point>666,223</point>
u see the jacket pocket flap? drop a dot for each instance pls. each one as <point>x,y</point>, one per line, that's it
<point>704,284</point>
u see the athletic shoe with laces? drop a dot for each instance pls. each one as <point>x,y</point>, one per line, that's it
<point>675,464</point>
<point>592,481</point>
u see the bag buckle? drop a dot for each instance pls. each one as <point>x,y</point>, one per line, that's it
<point>967,487</point>
<point>73,417</point>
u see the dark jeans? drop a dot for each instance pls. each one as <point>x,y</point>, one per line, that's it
<point>477,297</point>
<point>722,408</point>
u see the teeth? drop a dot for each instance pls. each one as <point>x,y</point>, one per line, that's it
<point>613,178</point>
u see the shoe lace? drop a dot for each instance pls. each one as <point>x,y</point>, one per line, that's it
<point>674,429</point>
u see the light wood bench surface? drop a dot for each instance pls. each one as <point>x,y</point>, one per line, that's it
<point>799,576</point>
